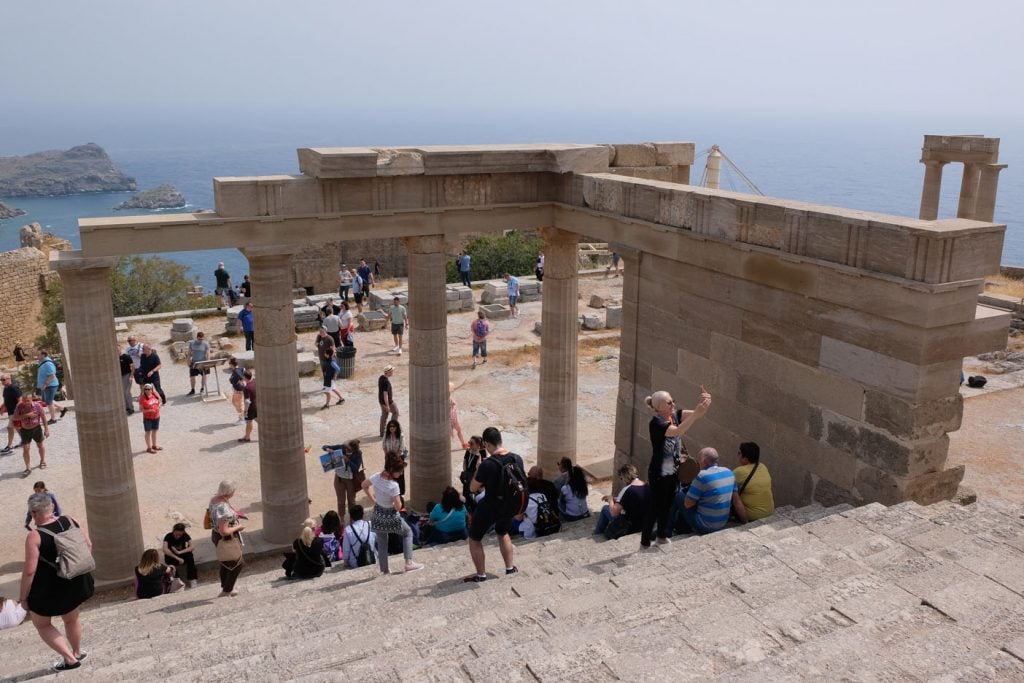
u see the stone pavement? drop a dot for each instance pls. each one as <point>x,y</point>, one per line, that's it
<point>903,593</point>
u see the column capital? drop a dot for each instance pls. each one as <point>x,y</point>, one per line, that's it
<point>553,236</point>
<point>271,250</point>
<point>934,163</point>
<point>73,260</point>
<point>425,244</point>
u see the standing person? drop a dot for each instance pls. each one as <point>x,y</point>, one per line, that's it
<point>332,322</point>
<point>539,268</point>
<point>149,371</point>
<point>237,388</point>
<point>383,491</point>
<point>393,443</point>
<point>513,293</point>
<point>47,595</point>
<point>40,488</point>
<point>666,428</point>
<point>149,404</point>
<point>178,551</point>
<point>198,350</point>
<point>330,367</point>
<point>386,398</point>
<point>47,384</point>
<point>366,274</point>
<point>223,288</point>
<point>249,393</point>
<point>471,459</point>
<point>328,308</point>
<point>464,269</point>
<point>30,418</point>
<point>489,474</point>
<point>398,315</point>
<point>453,415</point>
<point>245,289</point>
<point>480,328</point>
<point>12,394</point>
<point>19,354</point>
<point>357,289</point>
<point>244,324</point>
<point>347,325</point>
<point>376,270</point>
<point>127,372</point>
<point>134,349</point>
<point>347,479</point>
<point>227,527</point>
<point>614,266</point>
<point>344,282</point>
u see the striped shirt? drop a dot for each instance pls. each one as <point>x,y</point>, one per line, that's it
<point>712,491</point>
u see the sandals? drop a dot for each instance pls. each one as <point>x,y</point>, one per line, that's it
<point>151,450</point>
<point>340,401</point>
<point>244,440</point>
<point>42,465</point>
<point>26,472</point>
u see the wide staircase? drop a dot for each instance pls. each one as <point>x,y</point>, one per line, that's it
<point>872,593</point>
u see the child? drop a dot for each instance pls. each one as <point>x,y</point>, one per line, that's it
<point>40,487</point>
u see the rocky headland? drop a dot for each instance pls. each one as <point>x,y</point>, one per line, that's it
<point>162,197</point>
<point>85,168</point>
<point>9,211</point>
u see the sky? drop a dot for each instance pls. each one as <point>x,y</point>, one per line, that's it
<point>566,57</point>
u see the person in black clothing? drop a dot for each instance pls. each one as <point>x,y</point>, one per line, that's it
<point>127,370</point>
<point>12,395</point>
<point>386,398</point>
<point>366,273</point>
<point>178,551</point>
<point>245,289</point>
<point>306,559</point>
<point>487,478</point>
<point>536,483</point>
<point>19,353</point>
<point>472,458</point>
<point>223,283</point>
<point>329,308</point>
<point>152,578</point>
<point>149,371</point>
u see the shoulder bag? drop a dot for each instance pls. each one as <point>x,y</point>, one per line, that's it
<point>741,487</point>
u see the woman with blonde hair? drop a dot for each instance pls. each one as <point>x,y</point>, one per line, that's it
<point>306,560</point>
<point>226,535</point>
<point>152,578</point>
<point>149,404</point>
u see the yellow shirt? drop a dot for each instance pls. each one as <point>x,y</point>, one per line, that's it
<point>757,496</point>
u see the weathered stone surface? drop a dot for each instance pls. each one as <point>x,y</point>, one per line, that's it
<point>494,291</point>
<point>613,316</point>
<point>645,154</point>
<point>592,322</point>
<point>372,320</point>
<point>596,301</point>
<point>496,311</point>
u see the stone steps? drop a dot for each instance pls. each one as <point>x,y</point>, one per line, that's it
<point>873,592</point>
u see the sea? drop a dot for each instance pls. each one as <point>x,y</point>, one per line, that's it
<point>868,161</point>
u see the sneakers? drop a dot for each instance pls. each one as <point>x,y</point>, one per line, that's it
<point>191,393</point>
<point>82,655</point>
<point>399,352</point>
<point>413,567</point>
<point>51,422</point>
<point>193,583</point>
<point>63,412</point>
<point>5,450</point>
<point>474,578</point>
<point>513,570</point>
<point>61,665</point>
<point>664,541</point>
<point>394,349</point>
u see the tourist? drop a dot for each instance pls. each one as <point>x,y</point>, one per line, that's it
<point>348,325</point>
<point>223,287</point>
<point>471,459</point>
<point>386,398</point>
<point>30,419</point>
<point>249,394</point>
<point>227,528</point>
<point>538,519</point>
<point>357,534</point>
<point>151,577</point>
<point>349,476</point>
<point>394,443</point>
<point>447,520</point>
<point>666,428</point>
<point>536,483</point>
<point>332,323</point>
<point>572,497</point>
<point>178,550</point>
<point>564,468</point>
<point>614,266</point>
<point>149,404</point>
<point>453,415</point>
<point>198,351</point>
<point>245,289</point>
<point>513,293</point>
<point>39,488</point>
<point>329,366</point>
<point>322,340</point>
<point>344,282</point>
<point>245,324</point>
<point>489,511</point>
<point>753,499</point>
<point>377,270</point>
<point>624,514</point>
<point>12,396</point>
<point>480,328</point>
<point>539,268</point>
<point>464,269</point>
<point>149,371</point>
<point>707,502</point>
<point>134,349</point>
<point>329,308</point>
<point>47,385</point>
<point>386,520</point>
<point>19,354</point>
<point>11,613</point>
<point>330,533</point>
<point>357,290</point>
<point>366,275</point>
<point>127,373</point>
<point>237,388</point>
<point>398,315</point>
<point>306,559</point>
<point>47,595</point>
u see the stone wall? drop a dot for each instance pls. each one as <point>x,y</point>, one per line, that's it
<point>24,274</point>
<point>317,265</point>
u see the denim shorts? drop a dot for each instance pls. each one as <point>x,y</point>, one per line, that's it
<point>48,394</point>
<point>512,299</point>
<point>150,424</point>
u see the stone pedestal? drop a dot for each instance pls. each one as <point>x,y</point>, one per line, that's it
<point>108,475</point>
<point>430,468</point>
<point>556,430</point>
<point>932,189</point>
<point>278,402</point>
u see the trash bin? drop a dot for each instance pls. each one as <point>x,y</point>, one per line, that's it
<point>346,361</point>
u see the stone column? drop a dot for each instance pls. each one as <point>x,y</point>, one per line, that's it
<point>278,402</point>
<point>931,190</point>
<point>988,185</point>
<point>968,191</point>
<point>104,446</point>
<point>556,429</point>
<point>625,404</point>
<point>430,462</point>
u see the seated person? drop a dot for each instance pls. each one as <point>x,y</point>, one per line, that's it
<point>11,613</point>
<point>539,518</point>
<point>330,532</point>
<point>306,561</point>
<point>178,552</point>
<point>709,497</point>
<point>572,503</point>
<point>753,499</point>
<point>447,519</point>
<point>536,483</point>
<point>151,577</point>
<point>357,534</point>
<point>627,509</point>
<point>564,468</point>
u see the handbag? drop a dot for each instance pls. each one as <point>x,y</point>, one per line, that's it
<point>229,549</point>
<point>739,490</point>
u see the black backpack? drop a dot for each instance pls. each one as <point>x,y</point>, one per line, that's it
<point>365,556</point>
<point>547,519</point>
<point>512,487</point>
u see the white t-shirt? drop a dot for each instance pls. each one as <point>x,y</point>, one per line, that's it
<point>332,324</point>
<point>573,506</point>
<point>346,320</point>
<point>12,614</point>
<point>528,527</point>
<point>384,490</point>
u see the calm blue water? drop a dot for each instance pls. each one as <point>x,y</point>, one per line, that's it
<point>856,163</point>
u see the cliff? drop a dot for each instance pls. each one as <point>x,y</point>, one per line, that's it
<point>85,168</point>
<point>162,197</point>
<point>9,211</point>
<point>32,235</point>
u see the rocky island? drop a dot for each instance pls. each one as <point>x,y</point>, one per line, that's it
<point>9,211</point>
<point>85,168</point>
<point>162,197</point>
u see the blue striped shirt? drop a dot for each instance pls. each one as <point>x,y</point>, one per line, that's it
<point>712,491</point>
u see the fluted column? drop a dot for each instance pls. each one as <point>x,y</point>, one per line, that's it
<point>988,185</point>
<point>626,401</point>
<point>278,403</point>
<point>556,429</point>
<point>104,447</point>
<point>968,191</point>
<point>932,189</point>
<point>430,466</point>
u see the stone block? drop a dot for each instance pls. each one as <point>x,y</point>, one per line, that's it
<point>189,335</point>
<point>182,324</point>
<point>899,378</point>
<point>395,162</point>
<point>496,311</point>
<point>592,322</point>
<point>468,304</point>
<point>934,486</point>
<point>449,295</point>
<point>453,305</point>
<point>645,154</point>
<point>121,327</point>
<point>613,316</point>
<point>225,343</point>
<point>596,301</point>
<point>295,302</point>
<point>536,328</point>
<point>308,363</point>
<point>494,290</point>
<point>882,450</point>
<point>179,350</point>
<point>371,320</point>
<point>319,300</point>
<point>913,420</point>
<point>674,153</point>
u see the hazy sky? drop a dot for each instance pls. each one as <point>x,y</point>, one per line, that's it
<point>563,56</point>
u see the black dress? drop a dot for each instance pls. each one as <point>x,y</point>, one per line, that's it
<point>152,584</point>
<point>50,595</point>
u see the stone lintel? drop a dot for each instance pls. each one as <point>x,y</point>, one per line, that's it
<point>338,162</point>
<point>260,251</point>
<point>960,148</point>
<point>75,260</point>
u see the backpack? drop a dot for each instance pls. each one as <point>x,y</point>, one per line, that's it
<point>479,328</point>
<point>332,548</point>
<point>512,488</point>
<point>547,522</point>
<point>73,555</point>
<point>365,556</point>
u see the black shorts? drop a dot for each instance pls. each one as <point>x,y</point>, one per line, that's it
<point>484,517</point>
<point>398,329</point>
<point>358,296</point>
<point>34,434</point>
<point>250,413</point>
<point>195,372</point>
